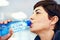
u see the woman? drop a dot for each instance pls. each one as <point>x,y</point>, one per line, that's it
<point>46,20</point>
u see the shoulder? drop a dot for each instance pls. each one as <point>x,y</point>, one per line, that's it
<point>37,38</point>
<point>57,35</point>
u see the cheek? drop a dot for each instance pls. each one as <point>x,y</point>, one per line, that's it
<point>40,25</point>
<point>44,23</point>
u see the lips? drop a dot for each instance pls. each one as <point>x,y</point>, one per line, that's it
<point>31,25</point>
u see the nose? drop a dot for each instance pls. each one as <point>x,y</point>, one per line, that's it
<point>31,17</point>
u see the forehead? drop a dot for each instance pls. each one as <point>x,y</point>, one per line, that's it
<point>39,8</point>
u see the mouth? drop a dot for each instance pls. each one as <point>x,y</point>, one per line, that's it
<point>31,25</point>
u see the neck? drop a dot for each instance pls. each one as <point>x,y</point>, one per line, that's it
<point>46,35</point>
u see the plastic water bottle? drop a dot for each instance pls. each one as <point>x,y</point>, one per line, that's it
<point>15,25</point>
<point>19,23</point>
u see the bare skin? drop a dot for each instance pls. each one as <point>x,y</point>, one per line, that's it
<point>6,37</point>
<point>41,24</point>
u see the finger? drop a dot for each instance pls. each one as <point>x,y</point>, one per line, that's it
<point>9,35</point>
<point>6,37</point>
<point>1,22</point>
<point>5,22</point>
<point>9,20</point>
<point>0,38</point>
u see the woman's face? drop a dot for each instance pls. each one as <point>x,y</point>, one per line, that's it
<point>40,20</point>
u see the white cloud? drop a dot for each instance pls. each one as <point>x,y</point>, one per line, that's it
<point>19,15</point>
<point>4,3</point>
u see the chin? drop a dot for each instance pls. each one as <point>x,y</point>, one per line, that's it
<point>36,31</point>
<point>33,31</point>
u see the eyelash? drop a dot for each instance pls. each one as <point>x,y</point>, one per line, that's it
<point>37,12</point>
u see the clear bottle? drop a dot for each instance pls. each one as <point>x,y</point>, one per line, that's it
<point>16,24</point>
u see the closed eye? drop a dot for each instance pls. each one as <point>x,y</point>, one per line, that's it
<point>38,13</point>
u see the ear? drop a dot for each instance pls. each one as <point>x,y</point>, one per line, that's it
<point>54,20</point>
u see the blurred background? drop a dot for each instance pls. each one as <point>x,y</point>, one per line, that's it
<point>8,7</point>
<point>12,6</point>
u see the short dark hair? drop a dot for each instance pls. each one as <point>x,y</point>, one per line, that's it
<point>52,8</point>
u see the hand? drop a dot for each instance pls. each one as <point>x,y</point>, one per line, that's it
<point>6,37</point>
